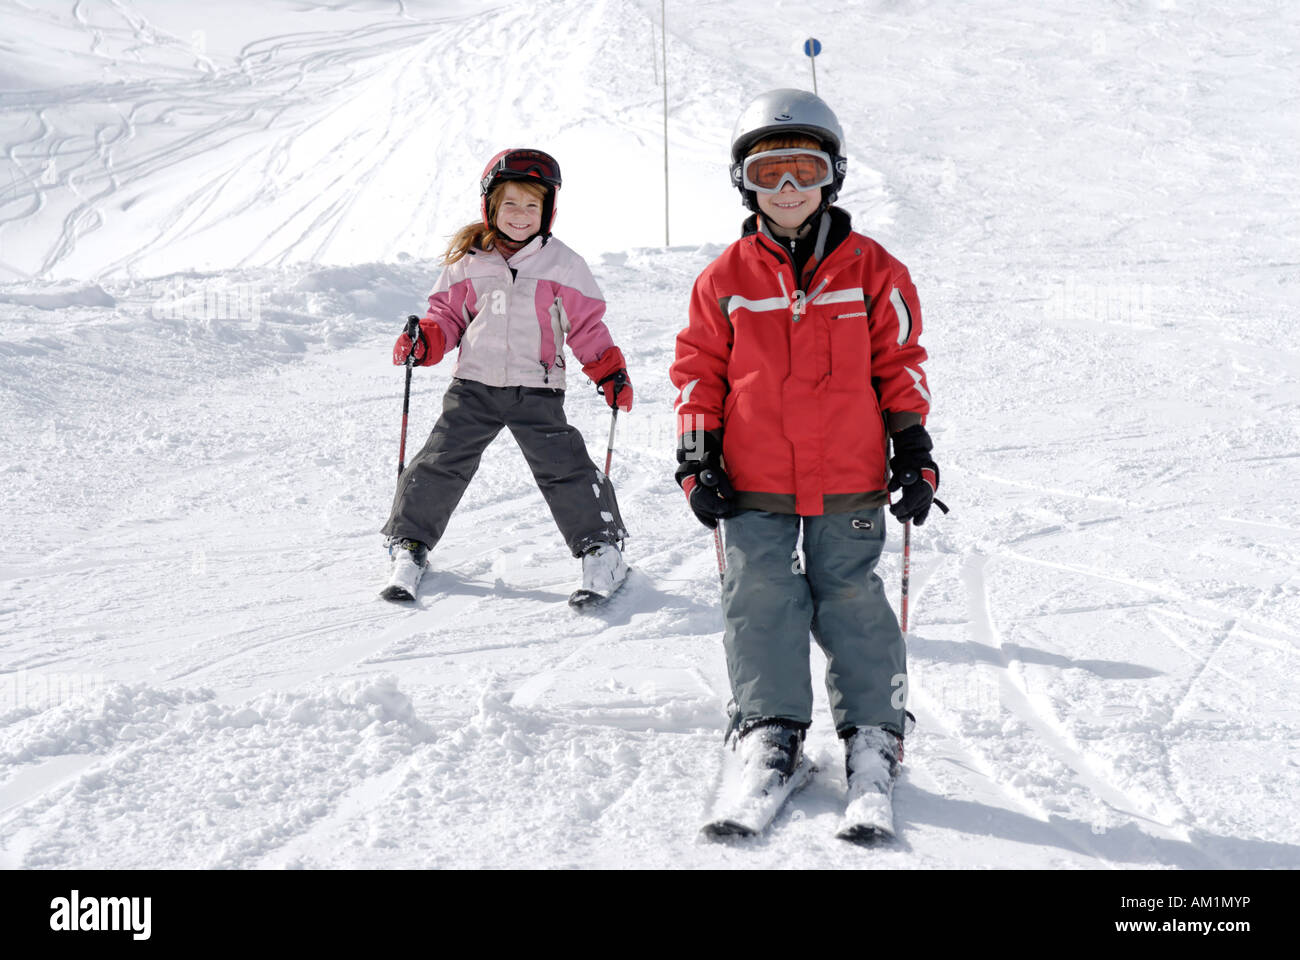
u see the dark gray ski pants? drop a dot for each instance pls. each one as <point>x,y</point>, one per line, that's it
<point>770,606</point>
<point>581,498</point>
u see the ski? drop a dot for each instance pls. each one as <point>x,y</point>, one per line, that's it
<point>869,818</point>
<point>864,835</point>
<point>581,599</point>
<point>396,593</point>
<point>584,599</point>
<point>590,599</point>
<point>753,807</point>
<point>403,580</point>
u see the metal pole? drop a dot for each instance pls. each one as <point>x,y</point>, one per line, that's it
<point>406,408</point>
<point>609,451</point>
<point>814,66</point>
<point>907,569</point>
<point>412,331</point>
<point>653,61</point>
<point>906,478</point>
<point>663,39</point>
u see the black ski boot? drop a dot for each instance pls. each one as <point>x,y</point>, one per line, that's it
<point>771,745</point>
<point>771,768</point>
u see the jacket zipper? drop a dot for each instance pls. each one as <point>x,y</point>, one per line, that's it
<point>818,289</point>
<point>799,301</point>
<point>795,309</point>
<point>788,259</point>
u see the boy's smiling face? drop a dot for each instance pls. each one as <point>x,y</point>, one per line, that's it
<point>790,207</point>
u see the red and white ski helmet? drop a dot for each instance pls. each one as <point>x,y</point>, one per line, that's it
<point>522,164</point>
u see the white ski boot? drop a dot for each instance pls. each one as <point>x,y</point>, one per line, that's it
<point>603,572</point>
<point>407,568</point>
<point>872,757</point>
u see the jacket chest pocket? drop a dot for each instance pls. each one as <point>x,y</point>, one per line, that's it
<point>559,319</point>
<point>559,316</point>
<point>850,337</point>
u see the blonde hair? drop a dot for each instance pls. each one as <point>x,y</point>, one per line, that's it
<point>478,234</point>
<point>790,141</point>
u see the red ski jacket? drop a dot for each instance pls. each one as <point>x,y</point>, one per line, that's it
<point>800,377</point>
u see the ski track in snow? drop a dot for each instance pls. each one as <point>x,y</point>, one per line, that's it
<point>195,670</point>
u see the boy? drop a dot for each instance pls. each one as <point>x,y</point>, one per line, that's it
<point>799,362</point>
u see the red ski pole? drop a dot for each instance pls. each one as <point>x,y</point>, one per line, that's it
<point>609,450</point>
<point>412,331</point>
<point>907,476</point>
<point>709,480</point>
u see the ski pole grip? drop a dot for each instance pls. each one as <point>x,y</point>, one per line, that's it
<point>708,478</point>
<point>413,333</point>
<point>908,477</point>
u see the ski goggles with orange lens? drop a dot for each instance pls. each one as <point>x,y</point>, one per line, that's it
<point>768,172</point>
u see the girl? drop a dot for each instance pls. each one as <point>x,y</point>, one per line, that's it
<point>799,361</point>
<point>510,295</point>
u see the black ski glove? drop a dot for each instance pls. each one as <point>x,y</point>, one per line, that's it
<point>915,473</point>
<point>700,474</point>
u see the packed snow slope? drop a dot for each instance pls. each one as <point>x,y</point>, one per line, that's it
<point>214,217</point>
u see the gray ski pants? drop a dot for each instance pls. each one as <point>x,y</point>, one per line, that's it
<point>770,605</point>
<point>581,498</point>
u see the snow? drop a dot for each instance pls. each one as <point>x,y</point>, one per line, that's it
<point>212,226</point>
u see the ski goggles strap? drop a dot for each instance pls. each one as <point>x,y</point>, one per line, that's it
<point>524,165</point>
<point>768,171</point>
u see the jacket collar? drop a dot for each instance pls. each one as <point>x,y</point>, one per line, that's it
<point>523,253</point>
<point>827,231</point>
<point>841,227</point>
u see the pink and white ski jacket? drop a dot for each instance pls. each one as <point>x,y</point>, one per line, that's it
<point>511,319</point>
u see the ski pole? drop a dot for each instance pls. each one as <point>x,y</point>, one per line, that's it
<point>907,568</point>
<point>907,476</point>
<point>911,476</point>
<point>412,331</point>
<point>609,451</point>
<point>708,478</point>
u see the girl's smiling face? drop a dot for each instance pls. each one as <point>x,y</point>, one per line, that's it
<point>520,213</point>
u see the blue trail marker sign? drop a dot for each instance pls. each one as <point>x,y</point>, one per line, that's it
<point>811,48</point>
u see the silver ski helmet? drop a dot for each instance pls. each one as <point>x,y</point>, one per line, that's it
<point>522,164</point>
<point>787,112</point>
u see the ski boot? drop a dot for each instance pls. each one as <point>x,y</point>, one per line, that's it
<point>872,756</point>
<point>603,572</point>
<point>407,568</point>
